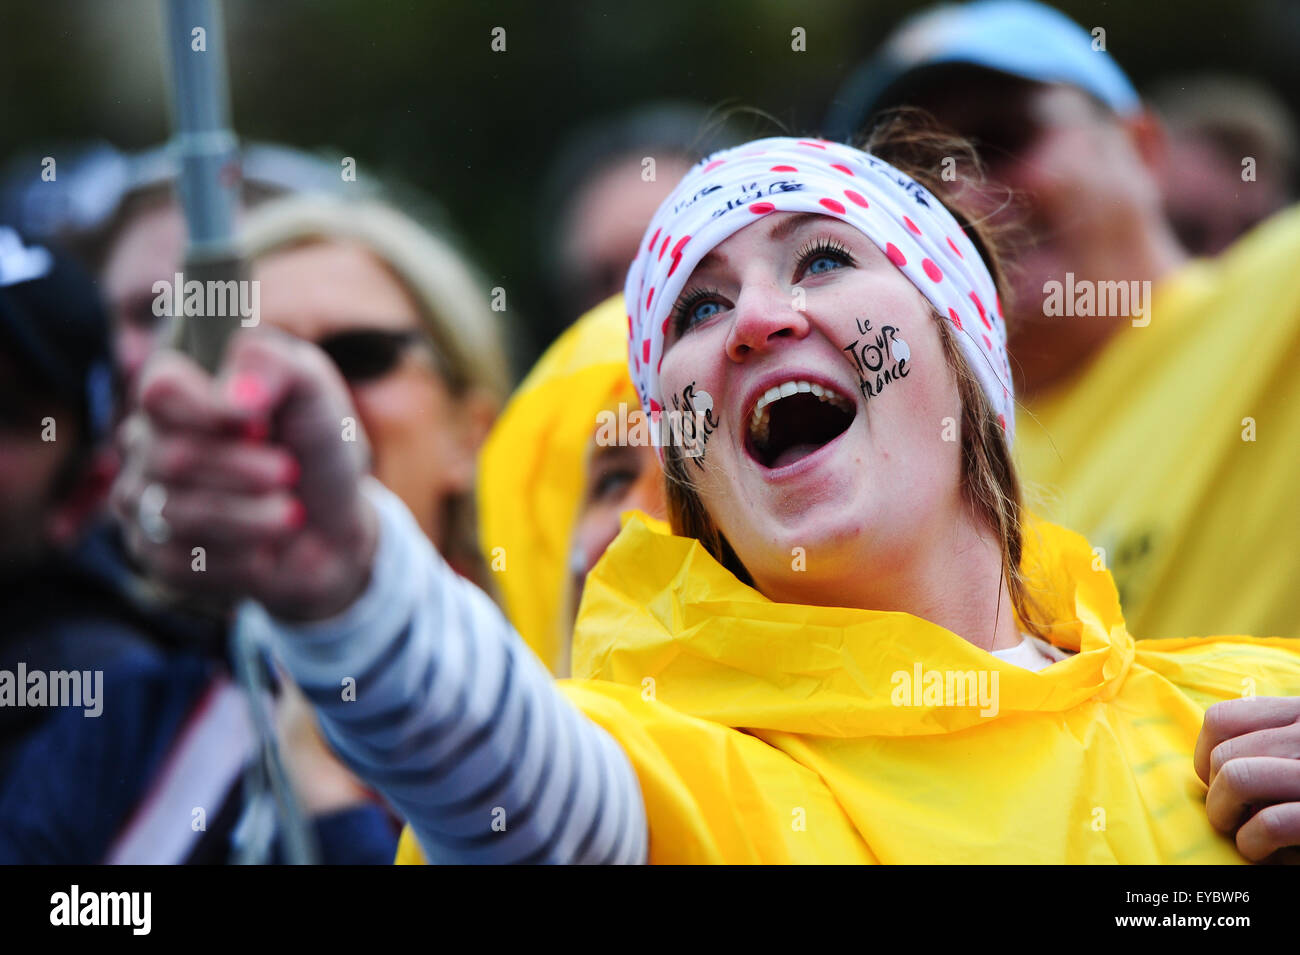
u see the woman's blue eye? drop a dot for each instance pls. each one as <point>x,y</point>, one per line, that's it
<point>703,312</point>
<point>821,256</point>
<point>824,263</point>
<point>696,306</point>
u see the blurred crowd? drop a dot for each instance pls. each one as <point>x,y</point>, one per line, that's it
<point>1170,443</point>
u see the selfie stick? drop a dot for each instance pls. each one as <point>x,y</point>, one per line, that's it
<point>208,156</point>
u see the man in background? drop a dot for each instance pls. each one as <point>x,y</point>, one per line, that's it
<point>1160,409</point>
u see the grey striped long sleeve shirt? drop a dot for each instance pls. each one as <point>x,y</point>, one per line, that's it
<point>429,695</point>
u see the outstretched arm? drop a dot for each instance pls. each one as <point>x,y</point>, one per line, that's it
<point>449,715</point>
<point>429,695</point>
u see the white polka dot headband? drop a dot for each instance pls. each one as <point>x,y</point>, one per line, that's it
<point>730,189</point>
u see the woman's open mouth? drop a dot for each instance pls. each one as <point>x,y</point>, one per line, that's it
<point>795,418</point>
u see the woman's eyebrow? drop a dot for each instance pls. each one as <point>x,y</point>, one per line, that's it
<point>782,230</point>
<point>712,260</point>
<point>786,227</point>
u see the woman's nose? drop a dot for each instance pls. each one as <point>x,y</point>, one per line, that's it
<point>763,314</point>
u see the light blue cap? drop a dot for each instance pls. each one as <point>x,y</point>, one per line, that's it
<point>1017,37</point>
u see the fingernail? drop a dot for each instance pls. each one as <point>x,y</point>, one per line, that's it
<point>297,514</point>
<point>248,392</point>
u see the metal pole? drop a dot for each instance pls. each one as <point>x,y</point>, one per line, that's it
<point>208,156</point>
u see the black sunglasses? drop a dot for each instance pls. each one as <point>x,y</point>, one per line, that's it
<point>368,354</point>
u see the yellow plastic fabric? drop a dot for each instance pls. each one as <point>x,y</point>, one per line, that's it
<point>765,732</point>
<point>531,472</point>
<point>1146,453</point>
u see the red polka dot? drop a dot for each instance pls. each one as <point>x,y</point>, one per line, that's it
<point>653,239</point>
<point>857,198</point>
<point>677,254</point>
<point>953,245</point>
<point>956,319</point>
<point>844,169</point>
<point>997,301</point>
<point>648,299</point>
<point>645,350</point>
<point>805,142</point>
<point>980,305</point>
<point>660,366</point>
<point>664,248</point>
<point>762,208</point>
<point>629,326</point>
<point>987,344</point>
<point>932,270</point>
<point>831,204</point>
<point>664,327</point>
<point>654,406</point>
<point>714,165</point>
<point>1002,421</point>
<point>911,225</point>
<point>894,255</point>
<point>784,169</point>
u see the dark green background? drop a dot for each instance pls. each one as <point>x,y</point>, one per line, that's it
<point>413,88</point>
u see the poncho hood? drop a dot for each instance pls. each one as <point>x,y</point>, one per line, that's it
<point>532,471</point>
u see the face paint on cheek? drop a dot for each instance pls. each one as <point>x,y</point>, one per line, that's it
<point>692,421</point>
<point>880,358</point>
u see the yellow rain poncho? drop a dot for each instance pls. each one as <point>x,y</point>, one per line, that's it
<point>764,732</point>
<point>531,471</point>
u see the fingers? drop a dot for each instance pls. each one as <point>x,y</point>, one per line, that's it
<point>293,386</point>
<point>1271,830</point>
<point>205,516</point>
<point>215,541</point>
<point>1238,717</point>
<point>175,394</point>
<point>1252,780</point>
<point>1249,754</point>
<point>230,465</point>
<point>213,570</point>
<point>1283,741</point>
<point>265,371</point>
<point>228,512</point>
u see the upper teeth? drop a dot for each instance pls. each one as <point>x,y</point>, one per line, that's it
<point>760,421</point>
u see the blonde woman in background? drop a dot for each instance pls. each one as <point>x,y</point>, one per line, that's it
<point>407,324</point>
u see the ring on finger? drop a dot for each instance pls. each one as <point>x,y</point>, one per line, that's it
<point>149,514</point>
